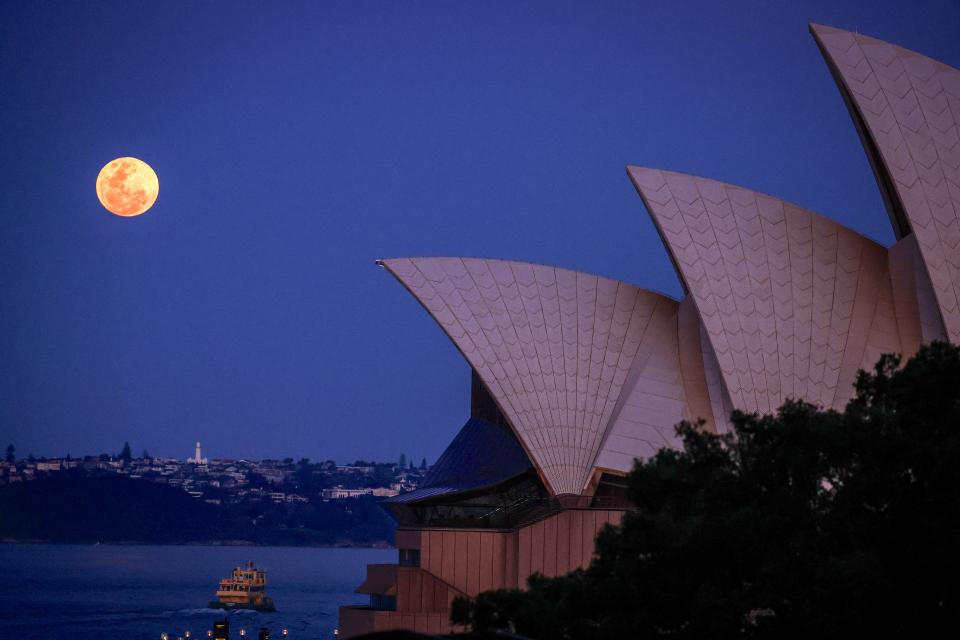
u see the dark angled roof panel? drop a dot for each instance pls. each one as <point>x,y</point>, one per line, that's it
<point>482,455</point>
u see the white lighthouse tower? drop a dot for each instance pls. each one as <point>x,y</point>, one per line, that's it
<point>196,459</point>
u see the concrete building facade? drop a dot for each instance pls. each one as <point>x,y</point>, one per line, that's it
<point>574,376</point>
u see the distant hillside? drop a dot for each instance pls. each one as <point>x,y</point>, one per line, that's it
<point>77,508</point>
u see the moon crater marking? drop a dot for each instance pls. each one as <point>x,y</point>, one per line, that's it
<point>127,187</point>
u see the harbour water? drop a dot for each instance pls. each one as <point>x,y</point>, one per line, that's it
<point>108,592</point>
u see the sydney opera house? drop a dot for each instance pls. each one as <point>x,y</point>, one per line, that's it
<point>576,375</point>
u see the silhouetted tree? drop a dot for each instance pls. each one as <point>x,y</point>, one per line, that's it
<point>307,482</point>
<point>11,453</point>
<point>423,464</point>
<point>125,454</point>
<point>383,474</point>
<point>257,481</point>
<point>803,524</point>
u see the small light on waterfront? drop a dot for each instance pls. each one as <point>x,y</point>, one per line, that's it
<point>243,632</point>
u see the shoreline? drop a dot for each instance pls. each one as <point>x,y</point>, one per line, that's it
<point>196,543</point>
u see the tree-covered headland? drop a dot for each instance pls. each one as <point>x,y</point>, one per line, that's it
<point>805,524</point>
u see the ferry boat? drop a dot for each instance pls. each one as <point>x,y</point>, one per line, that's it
<point>246,588</point>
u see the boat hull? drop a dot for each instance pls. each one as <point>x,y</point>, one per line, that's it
<point>265,606</point>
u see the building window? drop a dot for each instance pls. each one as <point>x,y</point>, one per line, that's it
<point>409,557</point>
<point>383,603</point>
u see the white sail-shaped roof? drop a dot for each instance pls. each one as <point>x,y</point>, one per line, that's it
<point>784,303</point>
<point>907,110</point>
<point>565,355</point>
<point>793,303</point>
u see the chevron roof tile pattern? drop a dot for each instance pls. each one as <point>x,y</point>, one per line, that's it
<point>556,348</point>
<point>792,302</point>
<point>909,106</point>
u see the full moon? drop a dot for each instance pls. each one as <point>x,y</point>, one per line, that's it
<point>127,187</point>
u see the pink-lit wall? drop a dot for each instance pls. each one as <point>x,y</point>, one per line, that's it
<point>457,562</point>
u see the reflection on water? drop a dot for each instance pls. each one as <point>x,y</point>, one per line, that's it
<point>110,592</point>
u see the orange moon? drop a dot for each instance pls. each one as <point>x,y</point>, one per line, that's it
<point>127,187</point>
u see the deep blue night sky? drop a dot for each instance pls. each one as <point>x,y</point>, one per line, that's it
<point>297,142</point>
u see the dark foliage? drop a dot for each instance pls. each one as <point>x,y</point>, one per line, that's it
<point>804,524</point>
<point>70,507</point>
